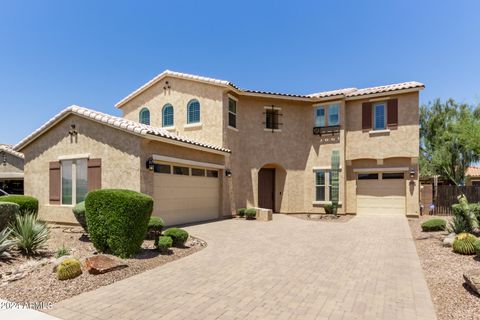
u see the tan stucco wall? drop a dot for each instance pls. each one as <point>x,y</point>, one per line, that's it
<point>180,93</point>
<point>400,142</point>
<point>119,152</point>
<point>294,152</point>
<point>12,164</point>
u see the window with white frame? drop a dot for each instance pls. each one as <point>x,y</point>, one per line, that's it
<point>379,118</point>
<point>320,120</point>
<point>232,113</point>
<point>323,185</point>
<point>333,115</point>
<point>74,181</point>
<point>327,115</point>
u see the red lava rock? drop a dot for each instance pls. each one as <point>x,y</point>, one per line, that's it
<point>102,264</point>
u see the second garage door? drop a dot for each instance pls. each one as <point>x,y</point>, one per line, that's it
<point>184,195</point>
<point>377,196</point>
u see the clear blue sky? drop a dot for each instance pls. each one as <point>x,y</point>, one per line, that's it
<point>93,53</point>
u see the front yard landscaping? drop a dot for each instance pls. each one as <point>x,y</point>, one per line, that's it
<point>444,269</point>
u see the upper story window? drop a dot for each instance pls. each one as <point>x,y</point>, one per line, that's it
<point>144,116</point>
<point>272,118</point>
<point>327,115</point>
<point>379,118</point>
<point>232,113</point>
<point>193,111</point>
<point>167,115</point>
<point>74,184</point>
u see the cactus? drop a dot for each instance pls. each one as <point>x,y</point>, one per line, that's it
<point>335,180</point>
<point>69,269</point>
<point>464,243</point>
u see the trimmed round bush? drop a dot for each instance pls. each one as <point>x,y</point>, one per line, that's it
<point>69,269</point>
<point>464,243</point>
<point>163,243</point>
<point>241,212</point>
<point>250,214</point>
<point>434,225</point>
<point>155,225</point>
<point>79,213</point>
<point>179,236</point>
<point>8,212</point>
<point>26,203</point>
<point>328,208</point>
<point>117,220</point>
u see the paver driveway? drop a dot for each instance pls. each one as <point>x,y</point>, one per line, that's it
<point>366,268</point>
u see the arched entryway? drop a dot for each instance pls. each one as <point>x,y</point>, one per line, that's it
<point>271,182</point>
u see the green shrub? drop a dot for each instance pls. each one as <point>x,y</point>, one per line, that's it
<point>29,234</point>
<point>5,243</point>
<point>475,208</point>
<point>476,245</point>
<point>250,214</point>
<point>79,213</point>
<point>434,225</point>
<point>155,226</point>
<point>62,251</point>
<point>8,212</point>
<point>467,212</point>
<point>328,208</point>
<point>163,243</point>
<point>117,220</point>
<point>458,224</point>
<point>26,203</point>
<point>179,236</point>
<point>241,212</point>
<point>464,243</point>
<point>69,269</point>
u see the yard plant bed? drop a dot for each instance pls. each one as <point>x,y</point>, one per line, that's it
<point>443,271</point>
<point>323,217</point>
<point>41,283</point>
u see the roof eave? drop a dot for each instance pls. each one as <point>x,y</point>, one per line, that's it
<point>383,94</point>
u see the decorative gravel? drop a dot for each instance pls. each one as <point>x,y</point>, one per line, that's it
<point>323,217</point>
<point>444,274</point>
<point>40,283</point>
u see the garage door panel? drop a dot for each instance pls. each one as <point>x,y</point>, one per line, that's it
<point>381,196</point>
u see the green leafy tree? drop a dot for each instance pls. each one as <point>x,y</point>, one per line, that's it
<point>449,139</point>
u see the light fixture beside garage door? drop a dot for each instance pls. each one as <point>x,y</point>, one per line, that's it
<point>150,164</point>
<point>412,172</point>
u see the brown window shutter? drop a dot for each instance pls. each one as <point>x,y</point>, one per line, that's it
<point>94,174</point>
<point>54,182</point>
<point>366,115</point>
<point>392,112</point>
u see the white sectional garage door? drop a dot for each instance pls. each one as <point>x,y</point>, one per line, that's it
<point>381,196</point>
<point>188,198</point>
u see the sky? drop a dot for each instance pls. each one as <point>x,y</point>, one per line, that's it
<point>94,53</point>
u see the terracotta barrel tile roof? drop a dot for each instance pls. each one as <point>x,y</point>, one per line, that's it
<point>117,122</point>
<point>9,149</point>
<point>473,172</point>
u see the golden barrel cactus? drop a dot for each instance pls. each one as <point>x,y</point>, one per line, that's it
<point>464,243</point>
<point>69,269</point>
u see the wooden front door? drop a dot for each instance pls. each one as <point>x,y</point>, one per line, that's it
<point>266,188</point>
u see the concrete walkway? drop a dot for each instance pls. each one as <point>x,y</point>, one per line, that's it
<point>366,268</point>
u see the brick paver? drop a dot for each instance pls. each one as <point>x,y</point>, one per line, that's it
<point>366,268</point>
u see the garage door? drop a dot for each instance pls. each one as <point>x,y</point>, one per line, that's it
<point>184,195</point>
<point>377,196</point>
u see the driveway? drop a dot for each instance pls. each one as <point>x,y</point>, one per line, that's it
<point>366,268</point>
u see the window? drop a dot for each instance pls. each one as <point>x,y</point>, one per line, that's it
<point>320,185</point>
<point>379,116</point>
<point>333,117</point>
<point>193,111</point>
<point>74,181</point>
<point>368,176</point>
<point>167,116</point>
<point>232,113</point>
<point>144,116</point>
<point>271,119</point>
<point>198,172</point>
<point>212,173</point>
<point>161,168</point>
<point>181,170</point>
<point>392,175</point>
<point>320,117</point>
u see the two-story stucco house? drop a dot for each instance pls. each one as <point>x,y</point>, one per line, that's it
<point>202,147</point>
<point>11,170</point>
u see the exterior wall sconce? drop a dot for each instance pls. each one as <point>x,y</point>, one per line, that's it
<point>228,173</point>
<point>150,164</point>
<point>412,173</point>
<point>73,131</point>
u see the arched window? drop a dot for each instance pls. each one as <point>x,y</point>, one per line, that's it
<point>144,116</point>
<point>193,111</point>
<point>167,115</point>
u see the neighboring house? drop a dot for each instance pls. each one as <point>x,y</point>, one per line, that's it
<point>202,148</point>
<point>472,176</point>
<point>11,170</point>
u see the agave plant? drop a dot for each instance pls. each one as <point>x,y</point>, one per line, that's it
<point>5,243</point>
<point>465,218</point>
<point>29,234</point>
<point>458,224</point>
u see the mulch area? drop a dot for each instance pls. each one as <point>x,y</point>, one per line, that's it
<point>443,271</point>
<point>41,283</point>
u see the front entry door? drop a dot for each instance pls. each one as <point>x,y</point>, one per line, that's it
<point>266,188</point>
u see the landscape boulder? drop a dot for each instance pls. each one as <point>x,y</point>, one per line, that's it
<point>472,278</point>
<point>99,264</point>
<point>448,240</point>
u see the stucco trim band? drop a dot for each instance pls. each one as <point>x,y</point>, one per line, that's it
<point>11,175</point>
<point>74,156</point>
